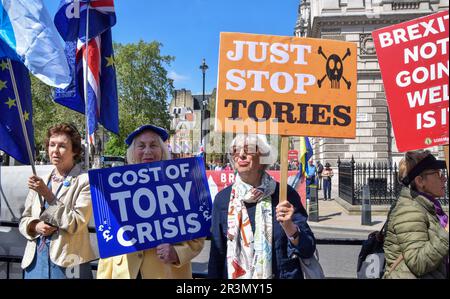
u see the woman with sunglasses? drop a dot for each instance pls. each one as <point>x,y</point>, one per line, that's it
<point>416,243</point>
<point>255,234</point>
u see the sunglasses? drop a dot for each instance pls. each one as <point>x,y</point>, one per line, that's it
<point>439,172</point>
<point>250,150</point>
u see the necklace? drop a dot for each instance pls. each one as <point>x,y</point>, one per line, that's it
<point>56,178</point>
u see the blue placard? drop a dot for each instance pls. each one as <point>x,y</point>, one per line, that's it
<point>140,206</point>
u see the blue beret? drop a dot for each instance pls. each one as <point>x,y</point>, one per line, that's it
<point>160,131</point>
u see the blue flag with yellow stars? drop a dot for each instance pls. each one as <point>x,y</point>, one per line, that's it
<point>12,140</point>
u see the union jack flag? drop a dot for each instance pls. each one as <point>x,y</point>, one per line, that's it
<point>102,104</point>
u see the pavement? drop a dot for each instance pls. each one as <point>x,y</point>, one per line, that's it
<point>334,223</point>
<point>333,217</point>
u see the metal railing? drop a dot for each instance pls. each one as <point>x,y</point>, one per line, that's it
<point>196,275</point>
<point>381,177</point>
<point>14,259</point>
<point>10,259</point>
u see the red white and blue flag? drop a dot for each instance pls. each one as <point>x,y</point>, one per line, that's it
<point>102,103</point>
<point>201,150</point>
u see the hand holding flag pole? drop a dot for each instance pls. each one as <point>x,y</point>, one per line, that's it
<point>28,36</point>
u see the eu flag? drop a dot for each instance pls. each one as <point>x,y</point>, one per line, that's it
<point>102,98</point>
<point>12,140</point>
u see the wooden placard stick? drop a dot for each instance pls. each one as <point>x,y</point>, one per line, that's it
<point>284,167</point>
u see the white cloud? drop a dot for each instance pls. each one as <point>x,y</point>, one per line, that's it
<point>177,77</point>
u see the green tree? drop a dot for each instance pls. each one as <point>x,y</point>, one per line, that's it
<point>143,89</point>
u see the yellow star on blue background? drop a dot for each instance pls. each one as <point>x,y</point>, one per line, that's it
<point>4,65</point>
<point>26,116</point>
<point>12,139</point>
<point>10,103</point>
<point>110,61</point>
<point>2,84</point>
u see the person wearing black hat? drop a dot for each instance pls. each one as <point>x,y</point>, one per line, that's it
<point>327,174</point>
<point>145,145</point>
<point>319,168</point>
<point>416,242</point>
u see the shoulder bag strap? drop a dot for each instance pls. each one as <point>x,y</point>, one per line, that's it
<point>396,262</point>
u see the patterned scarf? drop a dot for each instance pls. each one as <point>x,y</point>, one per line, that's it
<point>443,218</point>
<point>248,255</point>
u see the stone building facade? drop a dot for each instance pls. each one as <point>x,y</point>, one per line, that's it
<point>187,112</point>
<point>353,21</point>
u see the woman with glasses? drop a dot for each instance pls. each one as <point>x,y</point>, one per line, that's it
<point>416,243</point>
<point>254,233</point>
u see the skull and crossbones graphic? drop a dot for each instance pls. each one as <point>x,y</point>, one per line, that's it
<point>334,69</point>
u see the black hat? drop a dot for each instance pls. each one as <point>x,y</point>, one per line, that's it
<point>429,162</point>
<point>327,164</point>
<point>160,131</point>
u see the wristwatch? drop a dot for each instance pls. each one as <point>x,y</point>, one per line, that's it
<point>295,235</point>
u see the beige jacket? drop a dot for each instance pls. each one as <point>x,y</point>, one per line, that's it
<point>70,245</point>
<point>149,265</point>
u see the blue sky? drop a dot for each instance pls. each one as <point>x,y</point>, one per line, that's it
<point>189,29</point>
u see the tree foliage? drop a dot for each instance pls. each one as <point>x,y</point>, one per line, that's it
<point>143,88</point>
<point>47,113</point>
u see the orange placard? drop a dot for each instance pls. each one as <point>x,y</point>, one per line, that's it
<point>284,85</point>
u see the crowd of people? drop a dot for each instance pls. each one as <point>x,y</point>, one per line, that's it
<point>218,166</point>
<point>317,176</point>
<point>254,232</point>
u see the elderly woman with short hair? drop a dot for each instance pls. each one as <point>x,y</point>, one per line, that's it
<point>254,233</point>
<point>146,145</point>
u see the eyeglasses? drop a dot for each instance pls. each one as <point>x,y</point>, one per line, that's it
<point>439,172</point>
<point>250,150</point>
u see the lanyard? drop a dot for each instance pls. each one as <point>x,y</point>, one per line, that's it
<point>49,185</point>
<point>44,239</point>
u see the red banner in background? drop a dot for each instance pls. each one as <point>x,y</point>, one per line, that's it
<point>292,155</point>
<point>219,180</point>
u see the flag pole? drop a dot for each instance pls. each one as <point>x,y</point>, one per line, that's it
<point>86,68</point>
<point>22,120</point>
